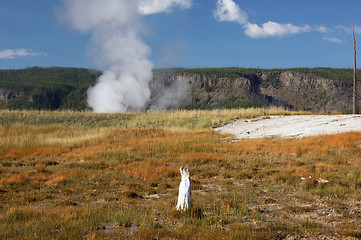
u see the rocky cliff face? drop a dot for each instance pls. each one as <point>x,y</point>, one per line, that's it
<point>7,95</point>
<point>308,92</point>
<point>204,91</point>
<point>292,90</point>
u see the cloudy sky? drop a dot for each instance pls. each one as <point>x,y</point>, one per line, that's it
<point>182,33</point>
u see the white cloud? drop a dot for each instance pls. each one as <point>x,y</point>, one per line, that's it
<point>332,39</point>
<point>227,10</point>
<point>322,29</point>
<point>273,29</point>
<point>11,54</point>
<point>147,7</point>
<point>348,30</point>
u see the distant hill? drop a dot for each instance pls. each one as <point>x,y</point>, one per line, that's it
<point>46,88</point>
<point>313,89</point>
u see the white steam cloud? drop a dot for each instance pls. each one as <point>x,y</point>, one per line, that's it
<point>22,52</point>
<point>228,10</point>
<point>117,48</point>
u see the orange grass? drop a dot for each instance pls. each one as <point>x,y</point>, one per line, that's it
<point>152,169</point>
<point>34,152</point>
<point>310,146</point>
<point>36,177</point>
<point>56,178</point>
<point>21,178</point>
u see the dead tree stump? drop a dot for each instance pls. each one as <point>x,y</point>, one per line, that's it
<point>185,190</point>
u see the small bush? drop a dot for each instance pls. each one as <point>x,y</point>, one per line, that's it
<point>129,194</point>
<point>193,212</point>
<point>355,233</point>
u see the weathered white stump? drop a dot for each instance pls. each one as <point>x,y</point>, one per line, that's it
<point>185,190</point>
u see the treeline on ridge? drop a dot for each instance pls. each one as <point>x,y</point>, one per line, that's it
<point>56,88</point>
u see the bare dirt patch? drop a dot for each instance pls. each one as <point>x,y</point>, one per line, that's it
<point>292,126</point>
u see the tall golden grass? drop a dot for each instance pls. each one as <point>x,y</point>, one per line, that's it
<point>179,119</point>
<point>24,136</point>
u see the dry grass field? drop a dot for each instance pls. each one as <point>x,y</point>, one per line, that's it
<point>78,175</point>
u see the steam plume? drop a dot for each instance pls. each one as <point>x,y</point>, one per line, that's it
<point>117,48</point>
<point>171,96</point>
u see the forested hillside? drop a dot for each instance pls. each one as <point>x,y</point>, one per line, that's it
<point>46,88</point>
<point>313,89</point>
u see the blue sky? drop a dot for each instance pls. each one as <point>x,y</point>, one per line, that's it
<point>193,33</point>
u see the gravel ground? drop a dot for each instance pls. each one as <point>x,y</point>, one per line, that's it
<point>292,126</point>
